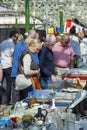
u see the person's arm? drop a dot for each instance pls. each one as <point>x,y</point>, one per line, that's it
<point>1,74</point>
<point>26,66</point>
<point>71,65</point>
<point>83,47</point>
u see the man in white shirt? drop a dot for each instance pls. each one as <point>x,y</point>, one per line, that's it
<point>6,50</point>
<point>74,41</point>
<point>83,46</point>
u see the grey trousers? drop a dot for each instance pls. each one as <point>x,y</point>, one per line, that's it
<point>61,71</point>
<point>15,95</point>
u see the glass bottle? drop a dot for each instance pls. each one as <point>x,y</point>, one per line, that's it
<point>53,104</point>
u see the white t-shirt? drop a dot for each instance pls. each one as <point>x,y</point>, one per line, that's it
<point>83,46</point>
<point>6,51</point>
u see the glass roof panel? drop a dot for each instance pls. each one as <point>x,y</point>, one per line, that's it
<point>71,9</point>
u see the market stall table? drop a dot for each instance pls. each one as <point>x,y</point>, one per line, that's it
<point>81,74</point>
<point>72,76</point>
<point>62,101</point>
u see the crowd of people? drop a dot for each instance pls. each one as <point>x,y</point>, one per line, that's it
<point>22,59</point>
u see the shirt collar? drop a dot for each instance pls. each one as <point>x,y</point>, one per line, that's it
<point>10,39</point>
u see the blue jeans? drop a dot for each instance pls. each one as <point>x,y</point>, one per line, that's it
<point>6,74</point>
<point>43,82</point>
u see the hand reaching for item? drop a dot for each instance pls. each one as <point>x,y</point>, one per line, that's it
<point>53,78</point>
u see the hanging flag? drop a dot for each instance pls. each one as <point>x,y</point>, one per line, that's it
<point>67,25</point>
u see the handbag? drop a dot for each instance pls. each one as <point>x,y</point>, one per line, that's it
<point>36,82</point>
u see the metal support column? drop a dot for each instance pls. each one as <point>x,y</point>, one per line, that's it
<point>27,15</point>
<point>61,21</point>
<point>46,16</point>
<point>16,22</point>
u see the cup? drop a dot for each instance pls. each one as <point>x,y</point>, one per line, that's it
<point>32,101</point>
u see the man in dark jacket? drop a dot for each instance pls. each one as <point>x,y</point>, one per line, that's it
<point>47,67</point>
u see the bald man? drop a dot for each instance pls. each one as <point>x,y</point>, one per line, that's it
<point>46,59</point>
<point>33,34</point>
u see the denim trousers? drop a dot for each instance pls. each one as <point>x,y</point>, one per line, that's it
<point>7,76</point>
<point>44,83</point>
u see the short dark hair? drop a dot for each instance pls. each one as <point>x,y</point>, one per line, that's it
<point>73,30</point>
<point>12,33</point>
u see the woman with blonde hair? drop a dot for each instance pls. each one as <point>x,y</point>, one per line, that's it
<point>30,42</point>
<point>27,68</point>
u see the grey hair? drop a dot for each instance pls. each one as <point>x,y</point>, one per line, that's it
<point>50,37</point>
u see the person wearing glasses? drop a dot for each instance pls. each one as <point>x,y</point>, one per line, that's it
<point>6,52</point>
<point>46,61</point>
<point>63,55</point>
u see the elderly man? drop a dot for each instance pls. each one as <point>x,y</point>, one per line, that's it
<point>63,55</point>
<point>47,66</point>
<point>33,34</point>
